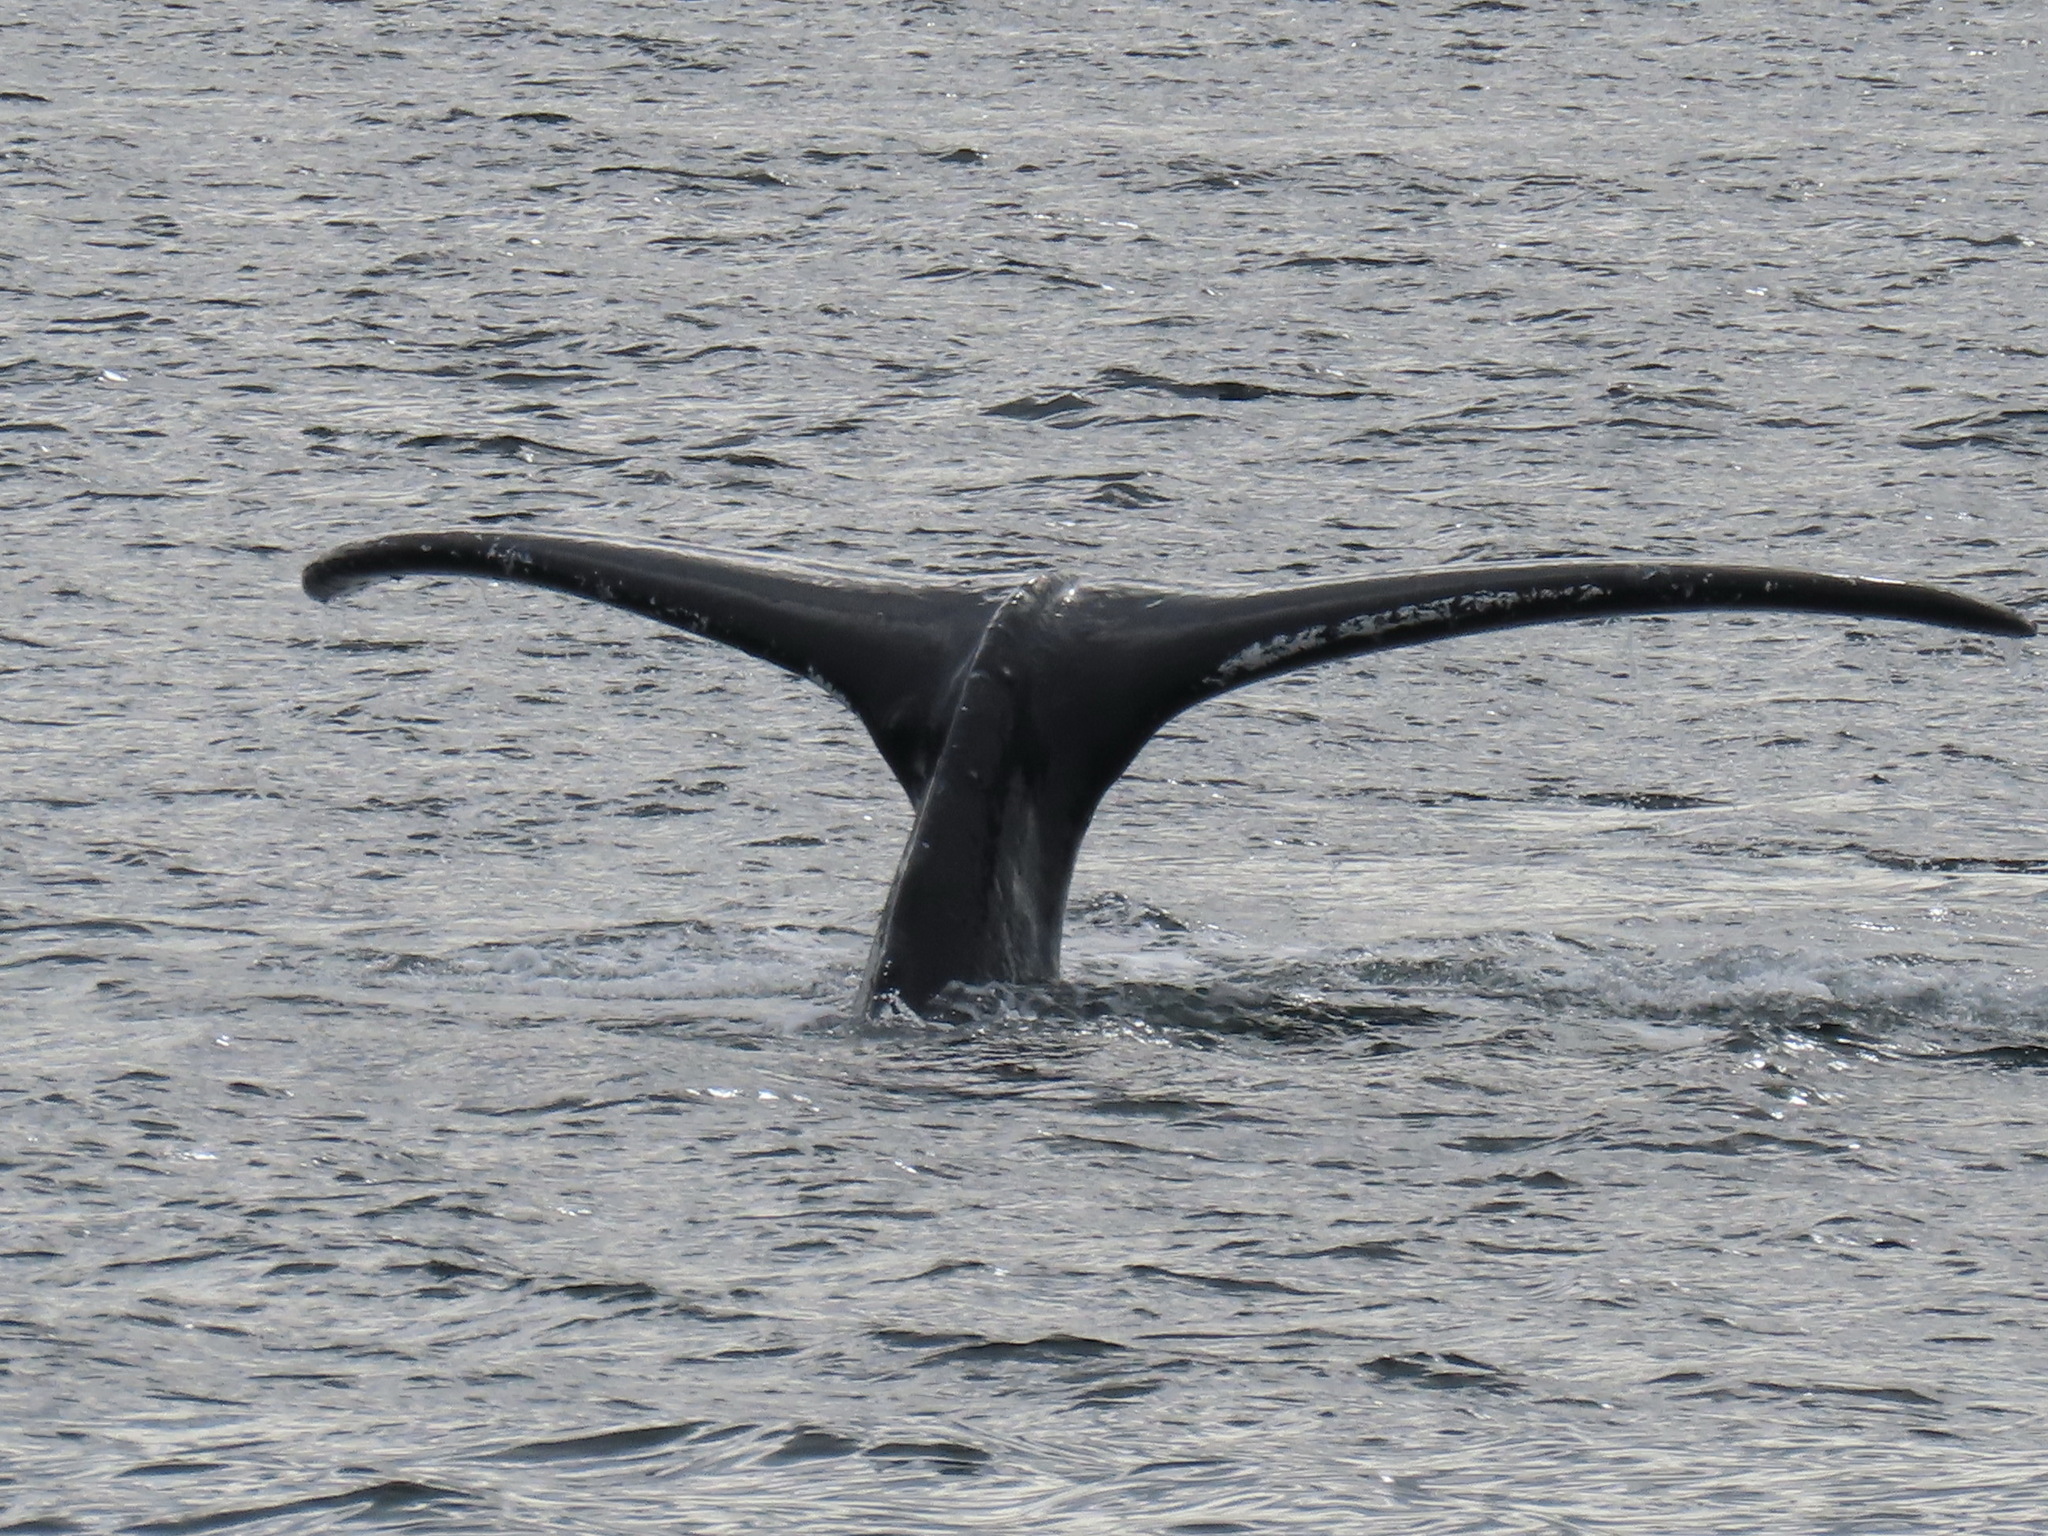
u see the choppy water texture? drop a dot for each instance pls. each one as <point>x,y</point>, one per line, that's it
<point>1583,1079</point>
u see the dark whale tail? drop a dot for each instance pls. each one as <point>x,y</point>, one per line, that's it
<point>1006,712</point>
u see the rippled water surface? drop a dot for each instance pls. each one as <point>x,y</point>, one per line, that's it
<point>1582,1079</point>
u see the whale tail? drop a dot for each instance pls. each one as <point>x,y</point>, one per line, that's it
<point>1006,712</point>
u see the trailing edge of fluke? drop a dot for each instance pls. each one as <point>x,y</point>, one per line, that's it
<point>1006,710</point>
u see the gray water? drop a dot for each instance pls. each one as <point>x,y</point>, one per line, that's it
<point>1582,1079</point>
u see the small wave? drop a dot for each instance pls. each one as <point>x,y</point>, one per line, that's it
<point>1889,1003</point>
<point>1041,407</point>
<point>604,1444</point>
<point>505,445</point>
<point>375,1499</point>
<point>1053,1349</point>
<point>1199,1013</point>
<point>941,1455</point>
<point>1217,389</point>
<point>810,1444</point>
<point>2016,431</point>
<point>1440,1372</point>
<point>641,976</point>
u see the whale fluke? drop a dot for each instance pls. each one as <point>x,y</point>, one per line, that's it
<point>1006,710</point>
<point>887,648</point>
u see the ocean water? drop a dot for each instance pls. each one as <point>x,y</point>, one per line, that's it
<point>1581,1079</point>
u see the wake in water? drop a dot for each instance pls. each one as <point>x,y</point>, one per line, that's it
<point>1143,970</point>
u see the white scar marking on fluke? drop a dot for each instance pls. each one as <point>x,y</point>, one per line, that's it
<point>522,564</point>
<point>1265,655</point>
